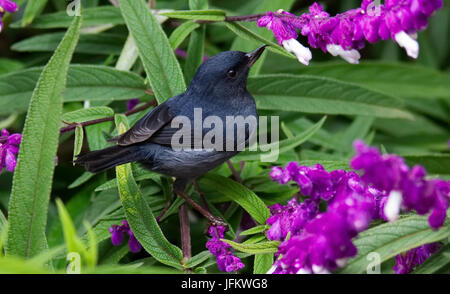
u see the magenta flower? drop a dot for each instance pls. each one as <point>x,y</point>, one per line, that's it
<point>290,218</point>
<point>226,261</point>
<point>406,262</point>
<point>346,33</point>
<point>321,242</point>
<point>117,235</point>
<point>132,103</point>
<point>403,188</point>
<point>9,148</point>
<point>286,35</point>
<point>6,6</point>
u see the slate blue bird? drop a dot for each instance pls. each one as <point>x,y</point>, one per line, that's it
<point>219,88</point>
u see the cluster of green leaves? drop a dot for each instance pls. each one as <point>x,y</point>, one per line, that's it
<point>81,68</point>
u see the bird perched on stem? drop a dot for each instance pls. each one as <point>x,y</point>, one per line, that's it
<point>218,90</point>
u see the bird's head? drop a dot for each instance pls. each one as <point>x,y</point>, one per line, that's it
<point>225,72</point>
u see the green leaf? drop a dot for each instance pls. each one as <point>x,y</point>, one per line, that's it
<point>283,146</point>
<point>32,180</point>
<point>180,34</point>
<point>95,16</point>
<point>239,194</point>
<point>83,81</point>
<point>263,263</point>
<point>78,142</point>
<point>247,34</point>
<point>254,230</point>
<point>357,130</point>
<point>86,176</point>
<point>255,248</point>
<point>322,95</point>
<point>86,114</point>
<point>209,14</point>
<point>195,51</point>
<point>73,243</point>
<point>160,63</point>
<point>33,9</point>
<point>434,163</point>
<point>139,215</point>
<point>399,79</point>
<point>198,259</point>
<point>104,43</point>
<point>390,239</point>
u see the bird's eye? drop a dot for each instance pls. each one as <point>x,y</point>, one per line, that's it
<point>231,73</point>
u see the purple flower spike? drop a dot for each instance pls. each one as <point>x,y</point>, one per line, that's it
<point>9,148</point>
<point>321,242</point>
<point>405,188</point>
<point>286,35</point>
<point>406,262</point>
<point>346,33</point>
<point>226,261</point>
<point>117,235</point>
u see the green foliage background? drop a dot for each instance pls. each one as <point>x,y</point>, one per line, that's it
<point>51,65</point>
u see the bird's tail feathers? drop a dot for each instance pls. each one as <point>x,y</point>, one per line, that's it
<point>101,160</point>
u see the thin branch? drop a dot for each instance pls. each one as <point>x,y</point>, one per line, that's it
<point>236,175</point>
<point>185,232</point>
<point>109,118</point>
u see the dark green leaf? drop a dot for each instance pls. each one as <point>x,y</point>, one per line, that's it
<point>322,95</point>
<point>36,161</point>
<point>159,61</point>
<point>239,194</point>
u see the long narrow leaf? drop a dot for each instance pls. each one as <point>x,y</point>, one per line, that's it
<point>159,61</point>
<point>33,176</point>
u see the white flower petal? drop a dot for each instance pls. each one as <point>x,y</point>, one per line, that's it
<point>393,204</point>
<point>271,270</point>
<point>318,269</point>
<point>302,53</point>
<point>303,271</point>
<point>408,43</point>
<point>351,56</point>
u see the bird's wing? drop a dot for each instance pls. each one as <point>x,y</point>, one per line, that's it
<point>147,126</point>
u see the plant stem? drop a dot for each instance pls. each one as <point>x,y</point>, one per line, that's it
<point>185,232</point>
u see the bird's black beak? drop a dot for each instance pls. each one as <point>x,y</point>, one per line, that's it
<point>254,55</point>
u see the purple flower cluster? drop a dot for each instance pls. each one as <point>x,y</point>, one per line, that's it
<point>290,218</point>
<point>402,187</point>
<point>117,235</point>
<point>346,33</point>
<point>9,148</point>
<point>226,261</point>
<point>406,262</point>
<point>322,242</point>
<point>6,6</point>
<point>319,242</point>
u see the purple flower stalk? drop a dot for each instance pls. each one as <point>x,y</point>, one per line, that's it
<point>9,148</point>
<point>346,33</point>
<point>6,6</point>
<point>406,262</point>
<point>402,187</point>
<point>226,261</point>
<point>322,242</point>
<point>117,235</point>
